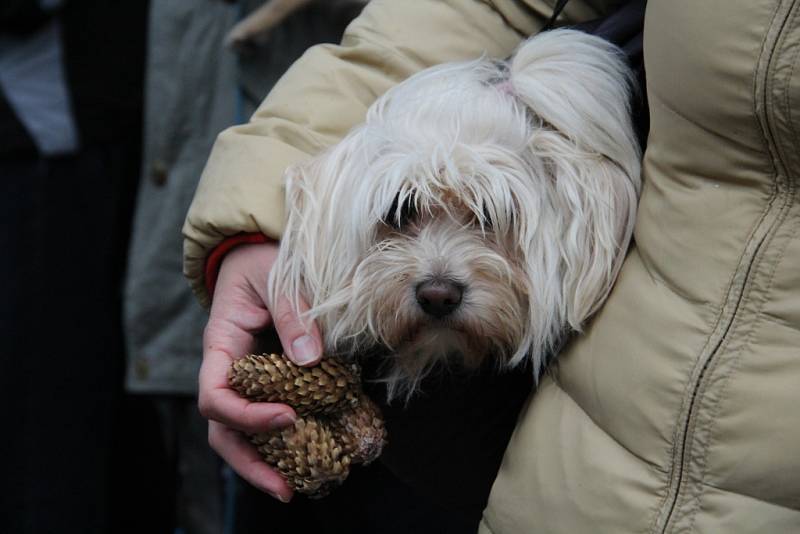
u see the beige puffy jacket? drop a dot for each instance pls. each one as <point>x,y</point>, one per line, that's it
<point>679,409</point>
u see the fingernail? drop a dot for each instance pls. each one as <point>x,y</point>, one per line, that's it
<point>304,350</point>
<point>282,420</point>
<point>280,497</point>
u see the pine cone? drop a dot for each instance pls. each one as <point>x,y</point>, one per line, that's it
<point>361,431</point>
<point>328,387</point>
<point>337,425</point>
<point>307,455</point>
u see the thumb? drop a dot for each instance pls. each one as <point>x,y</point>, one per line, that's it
<point>300,339</point>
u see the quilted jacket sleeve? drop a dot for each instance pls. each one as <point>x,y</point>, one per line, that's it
<point>327,92</point>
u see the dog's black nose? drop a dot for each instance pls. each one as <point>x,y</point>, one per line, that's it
<point>439,297</point>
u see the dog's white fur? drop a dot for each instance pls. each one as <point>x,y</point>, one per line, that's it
<point>521,179</point>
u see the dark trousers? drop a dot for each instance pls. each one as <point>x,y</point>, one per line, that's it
<point>371,501</point>
<point>77,455</point>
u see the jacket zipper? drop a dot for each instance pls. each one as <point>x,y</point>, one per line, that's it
<point>680,462</point>
<point>780,190</point>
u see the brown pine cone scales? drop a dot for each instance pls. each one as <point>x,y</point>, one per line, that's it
<point>307,454</point>
<point>361,431</point>
<point>337,426</point>
<point>328,387</point>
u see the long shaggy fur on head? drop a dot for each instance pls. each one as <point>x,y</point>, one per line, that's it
<point>517,180</point>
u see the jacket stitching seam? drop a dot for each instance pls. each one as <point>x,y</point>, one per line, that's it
<point>719,311</point>
<point>778,505</point>
<point>736,356</point>
<point>677,431</point>
<point>685,427</point>
<point>662,103</point>
<point>758,311</point>
<point>715,403</point>
<point>766,58</point>
<point>787,90</point>
<point>776,320</point>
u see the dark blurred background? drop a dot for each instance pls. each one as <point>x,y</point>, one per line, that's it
<point>108,110</point>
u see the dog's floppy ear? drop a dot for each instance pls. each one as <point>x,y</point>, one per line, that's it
<point>318,250</point>
<point>576,87</point>
<point>288,275</point>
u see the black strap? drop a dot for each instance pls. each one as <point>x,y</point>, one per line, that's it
<point>557,9</point>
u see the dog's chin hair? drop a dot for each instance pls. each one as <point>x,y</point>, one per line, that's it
<point>524,176</point>
<point>442,349</point>
<point>432,348</point>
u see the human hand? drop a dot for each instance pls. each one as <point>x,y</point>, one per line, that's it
<point>239,311</point>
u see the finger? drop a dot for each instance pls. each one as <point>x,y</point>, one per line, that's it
<point>244,459</point>
<point>225,340</point>
<point>227,407</point>
<point>218,402</point>
<point>300,339</point>
<point>236,316</point>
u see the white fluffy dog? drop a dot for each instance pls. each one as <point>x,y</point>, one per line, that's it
<point>482,210</point>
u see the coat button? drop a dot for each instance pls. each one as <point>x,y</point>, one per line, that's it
<point>159,173</point>
<point>141,369</point>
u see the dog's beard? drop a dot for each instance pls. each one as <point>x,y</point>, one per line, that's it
<point>384,308</point>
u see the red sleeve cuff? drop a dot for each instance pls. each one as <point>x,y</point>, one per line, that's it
<point>214,259</point>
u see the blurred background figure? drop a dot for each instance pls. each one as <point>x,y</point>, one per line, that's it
<point>77,455</point>
<point>107,113</point>
<point>209,65</point>
<point>190,95</point>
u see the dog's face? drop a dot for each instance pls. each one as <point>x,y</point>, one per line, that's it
<point>480,211</point>
<point>439,283</point>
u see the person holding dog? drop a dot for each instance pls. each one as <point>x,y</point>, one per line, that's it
<point>674,410</point>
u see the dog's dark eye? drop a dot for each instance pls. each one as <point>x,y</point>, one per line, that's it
<point>401,214</point>
<point>488,224</point>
